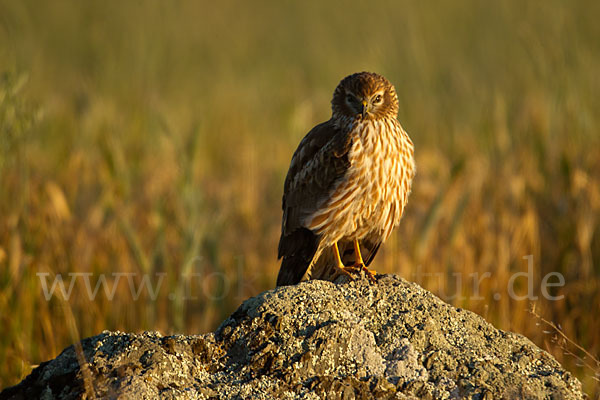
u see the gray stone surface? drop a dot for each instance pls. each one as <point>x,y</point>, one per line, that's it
<point>390,340</point>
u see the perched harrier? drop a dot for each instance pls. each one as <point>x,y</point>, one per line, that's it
<point>347,184</point>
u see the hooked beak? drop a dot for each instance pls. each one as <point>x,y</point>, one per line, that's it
<point>364,108</point>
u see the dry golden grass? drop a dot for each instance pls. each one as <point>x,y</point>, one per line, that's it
<point>153,140</point>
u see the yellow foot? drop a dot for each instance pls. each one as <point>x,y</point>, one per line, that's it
<point>358,267</point>
<point>342,270</point>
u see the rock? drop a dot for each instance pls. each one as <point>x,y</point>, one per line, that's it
<point>390,340</point>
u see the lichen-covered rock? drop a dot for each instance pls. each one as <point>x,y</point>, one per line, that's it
<point>390,340</point>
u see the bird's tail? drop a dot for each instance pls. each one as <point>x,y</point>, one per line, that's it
<point>292,270</point>
<point>298,251</point>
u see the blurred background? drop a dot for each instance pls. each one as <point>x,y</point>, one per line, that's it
<point>144,145</point>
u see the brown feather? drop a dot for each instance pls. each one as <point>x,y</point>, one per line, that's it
<point>320,160</point>
<point>348,180</point>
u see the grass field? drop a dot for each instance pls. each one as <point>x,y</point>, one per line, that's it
<point>147,143</point>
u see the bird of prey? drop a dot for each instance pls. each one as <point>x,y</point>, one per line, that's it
<point>347,184</point>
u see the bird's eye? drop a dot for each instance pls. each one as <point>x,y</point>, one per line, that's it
<point>377,99</point>
<point>349,98</point>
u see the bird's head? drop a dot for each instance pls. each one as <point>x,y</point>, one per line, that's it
<point>364,96</point>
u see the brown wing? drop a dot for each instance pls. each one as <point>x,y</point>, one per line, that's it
<point>317,165</point>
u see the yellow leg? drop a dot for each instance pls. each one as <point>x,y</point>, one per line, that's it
<point>359,260</point>
<point>359,264</point>
<point>336,250</point>
<point>340,264</point>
